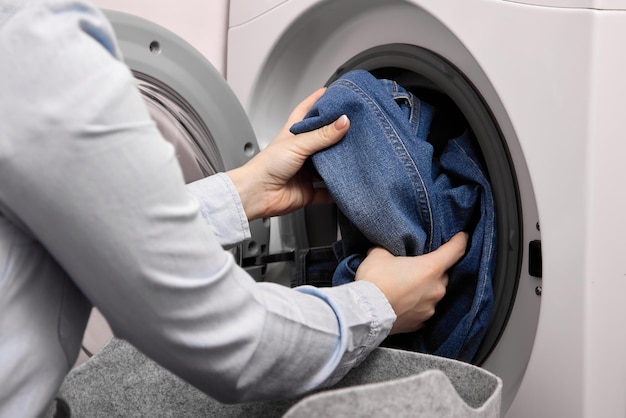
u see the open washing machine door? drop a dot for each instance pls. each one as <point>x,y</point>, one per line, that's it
<point>198,113</point>
<point>193,107</point>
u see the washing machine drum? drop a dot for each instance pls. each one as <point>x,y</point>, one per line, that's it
<point>183,128</point>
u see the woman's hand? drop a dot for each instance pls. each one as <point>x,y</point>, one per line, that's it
<point>413,285</point>
<point>273,182</point>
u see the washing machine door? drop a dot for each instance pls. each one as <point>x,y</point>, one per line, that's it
<point>194,109</point>
<point>198,113</point>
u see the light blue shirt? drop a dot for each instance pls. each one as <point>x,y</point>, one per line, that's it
<point>94,210</point>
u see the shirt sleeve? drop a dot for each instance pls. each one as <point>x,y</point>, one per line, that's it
<point>120,221</point>
<point>221,208</point>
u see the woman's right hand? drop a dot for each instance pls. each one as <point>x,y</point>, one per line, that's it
<point>413,285</point>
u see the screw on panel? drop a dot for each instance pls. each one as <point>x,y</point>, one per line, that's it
<point>252,248</point>
<point>155,47</point>
<point>248,149</point>
<point>538,290</point>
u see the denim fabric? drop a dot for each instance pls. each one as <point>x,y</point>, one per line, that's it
<point>314,267</point>
<point>393,190</point>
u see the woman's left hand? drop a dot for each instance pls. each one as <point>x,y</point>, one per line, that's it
<point>273,182</point>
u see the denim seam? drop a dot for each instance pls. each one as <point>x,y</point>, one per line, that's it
<point>469,158</point>
<point>487,236</point>
<point>402,153</point>
<point>415,106</point>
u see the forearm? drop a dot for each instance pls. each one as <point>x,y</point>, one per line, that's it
<point>242,341</point>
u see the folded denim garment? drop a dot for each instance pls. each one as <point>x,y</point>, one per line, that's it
<point>393,189</point>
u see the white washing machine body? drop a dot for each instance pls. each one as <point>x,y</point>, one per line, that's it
<point>549,75</point>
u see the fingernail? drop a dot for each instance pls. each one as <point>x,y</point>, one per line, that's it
<point>341,122</point>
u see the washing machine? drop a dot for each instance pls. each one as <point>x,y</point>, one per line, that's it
<point>177,55</point>
<point>541,84</point>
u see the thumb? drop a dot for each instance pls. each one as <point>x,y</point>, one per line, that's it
<point>449,253</point>
<point>313,141</point>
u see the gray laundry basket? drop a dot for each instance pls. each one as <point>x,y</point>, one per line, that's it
<point>121,382</point>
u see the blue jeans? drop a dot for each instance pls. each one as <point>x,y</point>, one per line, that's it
<point>394,190</point>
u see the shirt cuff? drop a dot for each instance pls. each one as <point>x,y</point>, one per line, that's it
<point>365,319</point>
<point>221,208</point>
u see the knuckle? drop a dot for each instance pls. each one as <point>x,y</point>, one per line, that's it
<point>427,314</point>
<point>325,134</point>
<point>440,292</point>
